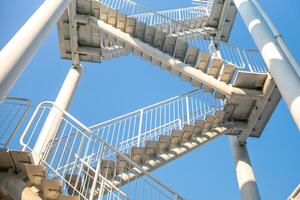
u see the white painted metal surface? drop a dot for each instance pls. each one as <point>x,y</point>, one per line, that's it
<point>149,123</point>
<point>12,113</point>
<point>244,172</point>
<point>76,156</point>
<point>278,37</point>
<point>295,194</point>
<point>18,52</point>
<point>53,121</point>
<point>283,73</point>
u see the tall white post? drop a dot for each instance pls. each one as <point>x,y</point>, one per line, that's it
<point>21,48</point>
<point>53,121</point>
<point>278,37</point>
<point>244,172</point>
<point>283,73</point>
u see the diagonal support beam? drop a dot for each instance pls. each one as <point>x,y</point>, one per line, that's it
<point>170,61</point>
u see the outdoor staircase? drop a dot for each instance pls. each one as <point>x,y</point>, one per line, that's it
<point>102,161</point>
<point>34,176</point>
<point>156,153</point>
<point>246,92</point>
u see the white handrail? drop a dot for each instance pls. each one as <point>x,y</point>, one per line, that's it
<point>75,150</point>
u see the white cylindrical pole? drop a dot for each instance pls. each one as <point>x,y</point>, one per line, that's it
<point>17,53</point>
<point>283,73</point>
<point>244,172</point>
<point>278,37</point>
<point>53,120</point>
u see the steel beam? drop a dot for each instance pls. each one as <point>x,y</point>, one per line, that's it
<point>283,73</point>
<point>53,121</point>
<point>244,172</point>
<point>170,61</point>
<point>18,52</point>
<point>278,37</point>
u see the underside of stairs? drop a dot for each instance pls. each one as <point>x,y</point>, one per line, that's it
<point>252,96</point>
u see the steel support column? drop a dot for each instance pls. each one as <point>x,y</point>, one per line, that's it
<point>278,37</point>
<point>21,48</point>
<point>53,120</point>
<point>244,172</point>
<point>283,73</point>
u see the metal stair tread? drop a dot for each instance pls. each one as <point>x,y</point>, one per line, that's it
<point>20,158</point>
<point>51,189</point>
<point>35,173</point>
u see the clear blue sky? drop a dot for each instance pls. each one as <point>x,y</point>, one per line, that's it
<point>121,85</point>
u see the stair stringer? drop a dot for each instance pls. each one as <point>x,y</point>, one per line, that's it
<point>165,59</point>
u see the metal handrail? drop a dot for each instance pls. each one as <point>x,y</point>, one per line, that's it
<point>19,103</point>
<point>241,63</point>
<point>86,133</point>
<point>148,107</point>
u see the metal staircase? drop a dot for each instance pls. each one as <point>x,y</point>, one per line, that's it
<point>73,166</point>
<point>195,58</point>
<point>63,159</point>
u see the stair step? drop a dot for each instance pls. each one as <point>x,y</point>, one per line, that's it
<point>5,160</point>
<point>203,61</point>
<point>193,23</point>
<point>20,158</point>
<point>151,149</point>
<point>164,143</point>
<point>35,173</point>
<point>180,51</point>
<point>198,127</point>
<point>185,77</point>
<point>218,117</point>
<point>191,56</point>
<point>187,133</point>
<point>159,39</point>
<point>65,197</point>
<point>130,26</point>
<point>138,154</point>
<point>176,138</point>
<point>196,83</point>
<point>112,17</point>
<point>174,72</point>
<point>214,71</point>
<point>137,52</point>
<point>108,168</point>
<point>208,123</point>
<point>149,35</point>
<point>140,30</point>
<point>121,21</point>
<point>52,189</point>
<point>146,57</point>
<point>76,181</point>
<point>165,67</point>
<point>226,77</point>
<point>156,62</point>
<point>104,13</point>
<point>122,164</point>
<point>169,45</point>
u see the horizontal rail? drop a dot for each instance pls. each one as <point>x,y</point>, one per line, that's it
<point>68,159</point>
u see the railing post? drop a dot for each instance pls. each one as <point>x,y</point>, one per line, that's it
<point>187,109</point>
<point>53,120</point>
<point>18,52</point>
<point>140,127</point>
<point>98,168</point>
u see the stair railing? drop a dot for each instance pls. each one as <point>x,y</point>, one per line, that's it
<point>78,158</point>
<point>135,128</point>
<point>180,14</point>
<point>12,114</point>
<point>196,38</point>
<point>255,61</point>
